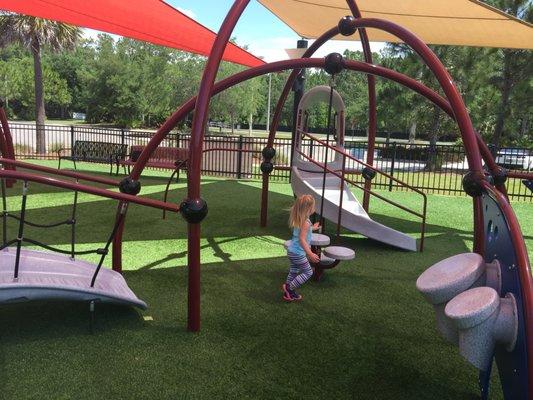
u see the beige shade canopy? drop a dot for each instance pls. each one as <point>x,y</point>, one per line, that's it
<point>447,22</point>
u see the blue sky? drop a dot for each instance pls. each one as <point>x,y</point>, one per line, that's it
<point>265,35</point>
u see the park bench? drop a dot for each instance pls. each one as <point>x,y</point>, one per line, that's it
<point>97,152</point>
<point>162,157</point>
<point>173,158</point>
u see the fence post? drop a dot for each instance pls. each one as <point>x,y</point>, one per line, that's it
<point>122,136</point>
<point>71,136</point>
<point>392,165</point>
<point>239,159</point>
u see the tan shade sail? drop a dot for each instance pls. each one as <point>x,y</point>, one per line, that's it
<point>447,22</point>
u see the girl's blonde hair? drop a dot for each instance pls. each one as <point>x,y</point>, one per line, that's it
<point>301,209</point>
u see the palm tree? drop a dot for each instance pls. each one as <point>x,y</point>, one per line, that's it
<point>35,33</point>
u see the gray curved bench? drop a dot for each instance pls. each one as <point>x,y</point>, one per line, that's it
<point>49,276</point>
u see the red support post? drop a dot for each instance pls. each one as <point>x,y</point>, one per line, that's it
<point>195,155</point>
<point>372,106</point>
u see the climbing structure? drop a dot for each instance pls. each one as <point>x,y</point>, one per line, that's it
<point>497,236</point>
<point>486,188</point>
<point>326,180</point>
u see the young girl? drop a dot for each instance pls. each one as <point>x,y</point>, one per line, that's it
<point>299,251</point>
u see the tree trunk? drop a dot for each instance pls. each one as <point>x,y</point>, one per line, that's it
<point>250,123</point>
<point>433,164</point>
<point>412,133</point>
<point>40,114</point>
<point>504,100</point>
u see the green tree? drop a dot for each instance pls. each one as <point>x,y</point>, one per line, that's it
<point>34,33</point>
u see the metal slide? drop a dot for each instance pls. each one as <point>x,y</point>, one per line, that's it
<point>307,177</point>
<point>353,216</point>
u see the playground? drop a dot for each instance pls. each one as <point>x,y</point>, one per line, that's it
<point>362,332</point>
<point>137,286</point>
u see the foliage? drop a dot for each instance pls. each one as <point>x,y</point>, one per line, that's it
<point>134,84</point>
<point>34,34</point>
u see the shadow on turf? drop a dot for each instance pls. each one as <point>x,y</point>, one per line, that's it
<point>235,214</point>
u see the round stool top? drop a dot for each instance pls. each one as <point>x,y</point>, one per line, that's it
<point>325,260</point>
<point>472,307</point>
<point>318,239</point>
<point>339,253</point>
<point>449,277</point>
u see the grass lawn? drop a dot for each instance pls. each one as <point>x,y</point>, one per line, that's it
<point>362,333</point>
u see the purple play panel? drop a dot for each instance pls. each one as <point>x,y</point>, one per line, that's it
<point>49,276</point>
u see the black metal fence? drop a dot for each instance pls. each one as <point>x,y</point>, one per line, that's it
<point>434,169</point>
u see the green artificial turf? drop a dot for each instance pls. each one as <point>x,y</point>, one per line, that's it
<point>362,333</point>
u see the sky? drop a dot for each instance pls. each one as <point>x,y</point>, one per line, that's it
<point>265,35</point>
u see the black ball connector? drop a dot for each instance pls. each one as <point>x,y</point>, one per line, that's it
<point>347,26</point>
<point>500,176</point>
<point>193,211</point>
<point>334,63</point>
<point>268,153</point>
<point>129,186</point>
<point>472,183</point>
<point>267,167</point>
<point>368,173</point>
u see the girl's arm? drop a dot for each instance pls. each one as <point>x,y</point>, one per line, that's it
<point>303,242</point>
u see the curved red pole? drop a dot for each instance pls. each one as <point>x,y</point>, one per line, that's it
<point>195,156</point>
<point>5,173</point>
<point>300,63</point>
<point>8,150</point>
<point>372,106</point>
<point>290,81</point>
<point>444,79</point>
<point>524,273</point>
<point>186,108</point>
<point>277,114</point>
<point>61,172</point>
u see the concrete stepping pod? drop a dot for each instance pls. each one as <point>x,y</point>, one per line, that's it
<point>446,279</point>
<point>483,319</point>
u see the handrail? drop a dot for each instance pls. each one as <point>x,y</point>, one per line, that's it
<point>520,175</point>
<point>70,174</point>
<point>348,155</point>
<point>331,171</point>
<point>90,190</point>
<point>345,155</point>
<point>235,150</point>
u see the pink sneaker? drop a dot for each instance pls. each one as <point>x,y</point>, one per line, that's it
<point>290,294</point>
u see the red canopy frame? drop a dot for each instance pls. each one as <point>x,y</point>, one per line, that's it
<point>194,208</point>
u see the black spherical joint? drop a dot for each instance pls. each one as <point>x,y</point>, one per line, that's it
<point>347,25</point>
<point>129,186</point>
<point>500,176</point>
<point>268,153</point>
<point>472,183</point>
<point>193,211</point>
<point>267,167</point>
<point>334,63</point>
<point>368,173</point>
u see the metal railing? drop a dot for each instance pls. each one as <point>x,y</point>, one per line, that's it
<point>343,179</point>
<point>433,169</point>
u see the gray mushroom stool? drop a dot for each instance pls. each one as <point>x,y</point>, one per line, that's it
<point>329,256</point>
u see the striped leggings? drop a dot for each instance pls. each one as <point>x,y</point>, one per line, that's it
<point>300,271</point>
